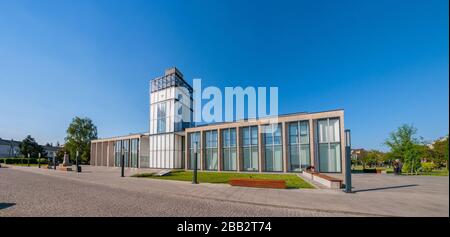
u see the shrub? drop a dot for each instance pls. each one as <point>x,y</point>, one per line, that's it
<point>369,170</point>
<point>428,166</point>
<point>13,161</point>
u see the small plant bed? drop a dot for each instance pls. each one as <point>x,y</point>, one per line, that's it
<point>292,180</point>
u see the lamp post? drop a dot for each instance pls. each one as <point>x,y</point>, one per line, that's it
<point>194,177</point>
<point>348,162</point>
<point>39,160</point>
<point>122,163</point>
<point>28,164</point>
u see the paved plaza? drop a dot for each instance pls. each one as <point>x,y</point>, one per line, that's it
<point>100,191</point>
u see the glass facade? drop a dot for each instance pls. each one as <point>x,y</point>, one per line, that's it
<point>211,150</point>
<point>299,153</point>
<point>273,152</point>
<point>161,117</point>
<point>134,153</point>
<point>126,150</point>
<point>168,81</point>
<point>117,153</point>
<point>131,150</point>
<point>229,154</point>
<point>328,131</point>
<point>250,148</point>
<point>194,137</point>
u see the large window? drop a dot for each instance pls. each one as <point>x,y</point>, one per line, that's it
<point>117,153</point>
<point>194,138</point>
<point>126,150</point>
<point>250,148</point>
<point>229,149</point>
<point>273,147</point>
<point>134,152</point>
<point>211,150</point>
<point>161,117</point>
<point>122,147</point>
<point>299,158</point>
<point>329,145</point>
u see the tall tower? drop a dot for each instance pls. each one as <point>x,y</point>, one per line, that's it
<point>170,113</point>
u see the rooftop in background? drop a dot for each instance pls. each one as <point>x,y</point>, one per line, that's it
<point>9,142</point>
<point>17,143</point>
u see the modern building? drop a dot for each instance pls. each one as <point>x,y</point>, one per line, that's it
<point>296,142</point>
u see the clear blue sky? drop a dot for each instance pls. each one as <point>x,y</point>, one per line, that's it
<point>384,62</point>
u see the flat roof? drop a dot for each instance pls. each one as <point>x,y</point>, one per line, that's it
<point>120,137</point>
<point>266,117</point>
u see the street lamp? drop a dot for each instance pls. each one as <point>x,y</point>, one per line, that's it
<point>194,177</point>
<point>39,160</point>
<point>348,162</point>
<point>28,164</point>
<point>122,162</point>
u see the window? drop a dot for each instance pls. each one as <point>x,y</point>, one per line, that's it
<point>250,148</point>
<point>211,150</point>
<point>194,138</point>
<point>229,148</point>
<point>161,117</point>
<point>117,153</point>
<point>299,158</point>
<point>329,145</point>
<point>134,152</point>
<point>272,147</point>
<point>126,150</point>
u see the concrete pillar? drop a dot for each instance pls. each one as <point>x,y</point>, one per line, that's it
<point>187,151</point>
<point>93,152</point>
<point>312,148</point>
<point>342,141</point>
<point>99,153</point>
<point>261,163</point>
<point>107,154</point>
<point>239,162</point>
<point>285,148</point>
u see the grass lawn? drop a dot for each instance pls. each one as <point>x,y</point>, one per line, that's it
<point>292,180</point>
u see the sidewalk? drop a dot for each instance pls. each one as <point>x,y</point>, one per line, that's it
<point>378,203</point>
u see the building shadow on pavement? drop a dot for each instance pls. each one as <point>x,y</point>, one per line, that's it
<point>6,205</point>
<point>383,188</point>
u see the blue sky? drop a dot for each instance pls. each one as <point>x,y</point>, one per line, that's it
<point>384,62</point>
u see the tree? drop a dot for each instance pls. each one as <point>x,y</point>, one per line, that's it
<point>440,152</point>
<point>404,146</point>
<point>79,135</point>
<point>373,158</point>
<point>30,146</point>
<point>362,156</point>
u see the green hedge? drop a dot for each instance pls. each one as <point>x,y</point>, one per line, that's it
<point>13,161</point>
<point>369,170</point>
